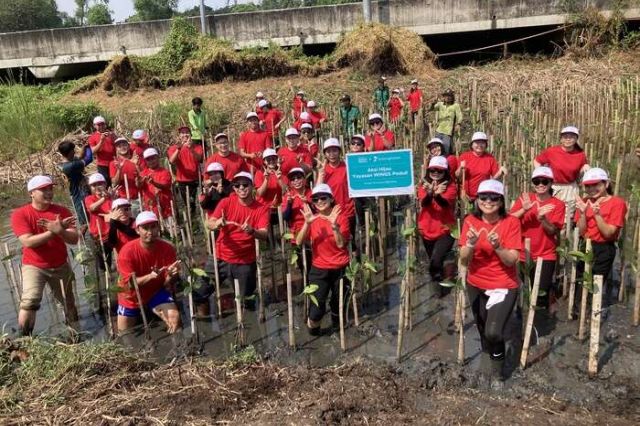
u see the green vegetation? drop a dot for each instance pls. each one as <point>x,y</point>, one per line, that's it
<point>22,15</point>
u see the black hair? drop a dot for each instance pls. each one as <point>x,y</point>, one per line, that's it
<point>66,147</point>
<point>502,211</point>
<point>196,101</point>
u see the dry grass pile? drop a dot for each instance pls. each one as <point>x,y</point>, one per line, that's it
<point>380,49</point>
<point>122,72</point>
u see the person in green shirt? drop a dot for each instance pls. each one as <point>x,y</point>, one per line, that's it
<point>381,95</point>
<point>449,119</point>
<point>349,116</point>
<point>198,124</point>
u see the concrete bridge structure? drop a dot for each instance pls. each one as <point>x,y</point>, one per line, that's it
<point>59,52</point>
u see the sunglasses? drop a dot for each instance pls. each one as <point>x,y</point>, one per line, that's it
<point>307,131</point>
<point>241,185</point>
<point>537,181</point>
<point>375,122</point>
<point>490,197</point>
<point>436,171</point>
<point>296,177</point>
<point>318,199</point>
<point>357,143</point>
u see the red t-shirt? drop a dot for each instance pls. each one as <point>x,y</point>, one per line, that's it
<point>395,109</point>
<point>486,271</point>
<point>452,160</point>
<point>324,250</point>
<point>129,172</point>
<point>53,253</point>
<point>378,141</point>
<point>296,220</point>
<point>107,151</point>
<point>477,169</point>
<point>435,220</point>
<point>542,244</point>
<point>138,149</point>
<point>612,211</point>
<point>565,165</point>
<point>273,192</point>
<point>315,118</point>
<point>96,220</point>
<point>232,164</point>
<point>271,118</point>
<point>313,148</point>
<point>415,99</point>
<point>299,122</point>
<point>122,238</point>
<point>290,158</point>
<point>133,258</point>
<point>251,142</point>
<point>186,164</point>
<point>150,191</point>
<point>298,105</point>
<point>233,245</point>
<point>336,178</point>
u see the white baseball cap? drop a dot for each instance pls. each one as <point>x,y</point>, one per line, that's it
<point>149,152</point>
<point>252,115</point>
<point>220,135</point>
<point>321,188</point>
<point>306,126</point>
<point>542,171</point>
<point>375,116</point>
<point>435,140</point>
<point>311,104</point>
<point>38,182</point>
<point>99,119</point>
<point>594,175</point>
<point>296,170</point>
<point>259,95</point>
<point>438,162</point>
<point>382,77</point>
<point>570,129</point>
<point>263,103</point>
<point>119,203</point>
<point>139,134</point>
<point>300,92</point>
<point>358,136</point>
<point>269,152</point>
<point>96,178</point>
<point>492,186</point>
<point>245,175</point>
<point>331,142</point>
<point>121,140</point>
<point>304,115</point>
<point>479,136</point>
<point>414,81</point>
<point>395,91</point>
<point>215,167</point>
<point>291,132</point>
<point>145,217</point>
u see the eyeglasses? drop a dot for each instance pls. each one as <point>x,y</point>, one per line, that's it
<point>296,177</point>
<point>375,122</point>
<point>490,197</point>
<point>318,199</point>
<point>241,185</point>
<point>538,181</point>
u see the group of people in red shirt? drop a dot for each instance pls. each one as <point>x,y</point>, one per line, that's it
<point>242,192</point>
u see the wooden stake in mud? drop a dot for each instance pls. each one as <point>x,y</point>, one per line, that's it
<point>460,302</point>
<point>343,344</point>
<point>261,315</point>
<point>382,239</point>
<point>192,313</point>
<point>584,295</point>
<point>533,298</point>
<point>367,231</point>
<point>572,283</point>
<point>134,283</point>
<point>403,292</point>
<point>292,336</point>
<point>216,274</point>
<point>636,296</point>
<point>594,340</point>
<point>239,320</point>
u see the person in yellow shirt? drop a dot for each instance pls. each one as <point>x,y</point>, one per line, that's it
<point>198,124</point>
<point>448,120</point>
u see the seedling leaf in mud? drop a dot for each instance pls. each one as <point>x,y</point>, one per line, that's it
<point>294,258</point>
<point>309,291</point>
<point>409,232</point>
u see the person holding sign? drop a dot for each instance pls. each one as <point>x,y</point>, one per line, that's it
<point>328,230</point>
<point>437,196</point>
<point>490,244</point>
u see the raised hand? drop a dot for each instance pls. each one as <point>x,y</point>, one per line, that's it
<point>526,202</point>
<point>542,211</point>
<point>246,227</point>
<point>439,188</point>
<point>472,236</point>
<point>308,215</point>
<point>595,207</point>
<point>494,240</point>
<point>54,226</point>
<point>68,222</point>
<point>333,216</point>
<point>174,269</point>
<point>580,204</point>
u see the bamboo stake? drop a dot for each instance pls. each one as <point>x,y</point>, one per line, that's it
<point>192,313</point>
<point>292,336</point>
<point>594,341</point>
<point>133,281</point>
<point>461,313</point>
<point>343,344</point>
<point>239,320</point>
<point>401,319</point>
<point>585,295</point>
<point>261,314</point>
<point>216,274</point>
<point>533,298</point>
<point>572,283</point>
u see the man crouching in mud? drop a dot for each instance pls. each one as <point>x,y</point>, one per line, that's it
<point>156,269</point>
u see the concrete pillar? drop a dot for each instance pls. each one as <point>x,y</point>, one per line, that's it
<point>203,20</point>
<point>366,10</point>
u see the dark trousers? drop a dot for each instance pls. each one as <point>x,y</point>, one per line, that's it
<point>546,281</point>
<point>603,256</point>
<point>307,250</point>
<point>493,324</point>
<point>193,192</point>
<point>328,281</point>
<point>244,273</point>
<point>104,171</point>
<point>437,251</point>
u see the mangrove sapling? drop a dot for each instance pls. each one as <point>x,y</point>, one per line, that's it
<point>239,338</point>
<point>343,343</point>
<point>216,273</point>
<point>587,285</point>
<point>261,314</point>
<point>594,340</point>
<point>292,336</point>
<point>193,283</point>
<point>574,272</point>
<point>531,314</point>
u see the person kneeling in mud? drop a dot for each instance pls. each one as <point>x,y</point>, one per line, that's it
<point>328,231</point>
<point>156,269</point>
<point>490,244</point>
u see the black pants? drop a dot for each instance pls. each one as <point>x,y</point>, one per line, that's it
<point>307,250</point>
<point>328,280</point>
<point>193,193</point>
<point>546,281</point>
<point>437,251</point>
<point>104,171</point>
<point>244,273</point>
<point>603,256</point>
<point>493,324</point>
<point>102,258</point>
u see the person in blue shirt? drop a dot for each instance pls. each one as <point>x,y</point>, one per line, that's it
<point>73,169</point>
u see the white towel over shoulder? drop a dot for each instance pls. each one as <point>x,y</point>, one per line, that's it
<point>496,296</point>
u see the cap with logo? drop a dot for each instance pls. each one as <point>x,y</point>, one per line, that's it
<point>220,135</point>
<point>438,162</point>
<point>479,136</point>
<point>149,152</point>
<point>435,141</point>
<point>322,188</point>
<point>243,175</point>
<point>491,186</point>
<point>542,171</point>
<point>311,104</point>
<point>306,126</point>
<point>263,103</point>
<point>215,167</point>
<point>139,135</point>
<point>331,142</point>
<point>594,175</point>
